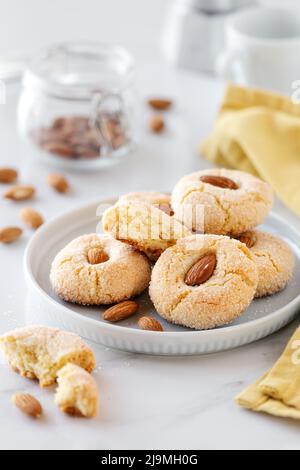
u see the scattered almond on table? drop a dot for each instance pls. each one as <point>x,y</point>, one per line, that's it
<point>150,324</point>
<point>27,404</point>
<point>121,311</point>
<point>10,234</point>
<point>58,182</point>
<point>8,175</point>
<point>31,217</point>
<point>20,193</point>
<point>157,124</point>
<point>160,104</point>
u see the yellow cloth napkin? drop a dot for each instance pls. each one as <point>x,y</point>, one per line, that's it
<point>259,132</point>
<point>278,391</point>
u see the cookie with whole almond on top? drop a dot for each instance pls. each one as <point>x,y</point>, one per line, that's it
<point>227,202</point>
<point>204,282</point>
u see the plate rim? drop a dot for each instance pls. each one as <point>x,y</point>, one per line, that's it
<point>193,334</point>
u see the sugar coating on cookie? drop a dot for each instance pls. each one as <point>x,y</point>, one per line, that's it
<point>275,262</point>
<point>144,226</point>
<point>77,392</point>
<point>125,273</point>
<point>151,197</point>
<point>39,352</point>
<point>218,301</point>
<point>225,211</point>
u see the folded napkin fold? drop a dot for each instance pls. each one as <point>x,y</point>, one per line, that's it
<point>259,132</point>
<point>278,391</point>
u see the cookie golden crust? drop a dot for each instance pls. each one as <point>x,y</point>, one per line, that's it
<point>122,272</point>
<point>151,197</point>
<point>38,352</point>
<point>144,226</point>
<point>227,209</point>
<point>216,302</point>
<point>275,262</point>
<point>77,392</point>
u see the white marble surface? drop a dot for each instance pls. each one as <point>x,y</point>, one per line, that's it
<point>146,402</point>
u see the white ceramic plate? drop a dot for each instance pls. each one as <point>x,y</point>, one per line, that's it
<point>264,317</point>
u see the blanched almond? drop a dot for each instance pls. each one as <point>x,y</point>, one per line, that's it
<point>202,271</point>
<point>10,234</point>
<point>121,311</point>
<point>20,193</point>
<point>58,182</point>
<point>8,175</point>
<point>31,217</point>
<point>149,324</point>
<point>27,404</point>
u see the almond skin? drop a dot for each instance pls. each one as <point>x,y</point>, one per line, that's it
<point>58,182</point>
<point>167,209</point>
<point>10,234</point>
<point>249,239</point>
<point>160,104</point>
<point>20,193</point>
<point>149,324</point>
<point>219,181</point>
<point>96,256</point>
<point>157,124</point>
<point>202,271</point>
<point>31,217</point>
<point>8,175</point>
<point>27,404</point>
<point>121,311</point>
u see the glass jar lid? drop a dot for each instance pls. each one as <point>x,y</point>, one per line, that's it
<point>79,70</point>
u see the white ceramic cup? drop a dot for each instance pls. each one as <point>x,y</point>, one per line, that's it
<point>263,49</point>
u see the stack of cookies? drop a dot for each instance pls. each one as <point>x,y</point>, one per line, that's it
<point>210,261</point>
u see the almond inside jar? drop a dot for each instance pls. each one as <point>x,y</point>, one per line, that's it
<point>74,137</point>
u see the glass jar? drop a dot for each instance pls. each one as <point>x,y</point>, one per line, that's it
<point>77,107</point>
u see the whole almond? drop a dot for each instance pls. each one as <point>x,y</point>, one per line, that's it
<point>157,124</point>
<point>149,324</point>
<point>202,271</point>
<point>249,239</point>
<point>167,209</point>
<point>160,104</point>
<point>121,311</point>
<point>97,256</point>
<point>27,404</point>
<point>8,175</point>
<point>58,182</point>
<point>219,181</point>
<point>20,193</point>
<point>10,234</point>
<point>63,149</point>
<point>31,217</point>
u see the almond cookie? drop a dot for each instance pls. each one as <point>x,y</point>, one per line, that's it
<point>146,227</point>
<point>152,197</point>
<point>228,202</point>
<point>204,281</point>
<point>274,259</point>
<point>77,393</point>
<point>38,352</point>
<point>99,270</point>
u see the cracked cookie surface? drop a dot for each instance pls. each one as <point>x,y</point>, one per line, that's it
<point>223,211</point>
<point>144,226</point>
<point>218,301</point>
<point>39,352</point>
<point>124,274</point>
<point>151,197</point>
<point>275,262</point>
